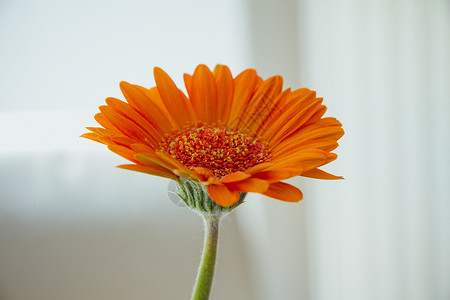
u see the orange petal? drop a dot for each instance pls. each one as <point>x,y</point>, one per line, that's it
<point>186,173</point>
<point>322,123</point>
<point>140,99</point>
<point>204,94</point>
<point>296,96</point>
<point>170,160</point>
<point>236,176</point>
<point>334,133</point>
<point>122,140</point>
<point>261,104</point>
<point>244,85</point>
<point>278,174</point>
<point>250,185</point>
<point>124,152</point>
<point>178,108</point>
<point>283,191</point>
<point>148,170</point>
<point>259,168</point>
<point>222,195</point>
<point>138,148</point>
<point>151,160</point>
<point>306,135</point>
<point>259,82</point>
<point>96,138</point>
<point>100,118</point>
<point>299,93</point>
<point>166,161</point>
<point>295,146</point>
<point>327,122</point>
<point>317,115</point>
<point>189,108</point>
<point>203,173</point>
<point>153,94</point>
<point>293,119</point>
<point>331,157</point>
<point>307,159</point>
<point>111,137</point>
<point>128,112</point>
<point>291,110</point>
<point>225,90</point>
<point>126,126</point>
<point>188,83</point>
<point>101,131</point>
<point>320,174</point>
<point>270,114</point>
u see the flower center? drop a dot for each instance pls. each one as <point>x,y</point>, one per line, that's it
<point>221,150</point>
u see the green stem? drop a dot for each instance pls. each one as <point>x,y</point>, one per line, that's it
<point>206,270</point>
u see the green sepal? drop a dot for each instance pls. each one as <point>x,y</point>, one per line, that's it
<point>196,197</point>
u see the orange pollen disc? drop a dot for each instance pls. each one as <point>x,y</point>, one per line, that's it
<point>221,150</point>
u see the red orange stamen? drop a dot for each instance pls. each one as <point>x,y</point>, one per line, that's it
<point>221,150</point>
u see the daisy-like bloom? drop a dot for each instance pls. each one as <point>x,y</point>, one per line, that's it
<point>233,135</point>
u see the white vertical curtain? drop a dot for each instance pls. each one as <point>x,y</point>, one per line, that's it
<point>383,68</point>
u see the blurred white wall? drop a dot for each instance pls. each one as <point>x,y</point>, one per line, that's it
<point>72,226</point>
<point>383,68</point>
<point>72,54</point>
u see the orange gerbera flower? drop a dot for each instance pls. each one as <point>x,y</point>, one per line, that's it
<point>232,135</point>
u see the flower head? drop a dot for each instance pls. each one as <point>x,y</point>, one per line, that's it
<point>232,135</point>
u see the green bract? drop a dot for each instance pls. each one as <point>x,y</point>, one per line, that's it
<point>195,196</point>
